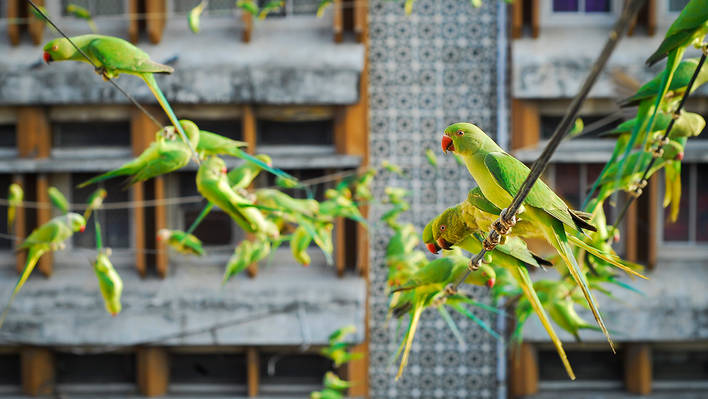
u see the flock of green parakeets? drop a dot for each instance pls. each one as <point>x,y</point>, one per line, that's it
<point>581,240</point>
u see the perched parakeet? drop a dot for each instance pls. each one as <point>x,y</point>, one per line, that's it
<point>239,261</point>
<point>299,243</point>
<point>500,176</point>
<point>58,200</point>
<point>249,6</point>
<point>339,203</point>
<point>213,184</point>
<point>47,237</point>
<point>109,281</point>
<point>161,157</point>
<point>434,276</point>
<point>194,14</point>
<point>339,353</point>
<point>82,13</point>
<point>95,202</point>
<point>15,197</point>
<point>243,175</point>
<point>180,241</point>
<point>113,56</point>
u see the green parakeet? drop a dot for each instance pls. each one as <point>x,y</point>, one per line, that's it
<point>109,281</point>
<point>113,56</point>
<point>58,200</point>
<point>434,276</point>
<point>180,241</point>
<point>47,237</point>
<point>194,14</point>
<point>213,184</point>
<point>339,353</point>
<point>339,334</point>
<point>15,197</point>
<point>339,203</point>
<point>322,7</point>
<point>299,243</point>
<point>82,13</point>
<point>326,394</point>
<point>95,202</point>
<point>161,157</point>
<point>393,168</point>
<point>243,175</point>
<point>432,159</point>
<point>332,381</point>
<point>239,261</point>
<point>249,6</point>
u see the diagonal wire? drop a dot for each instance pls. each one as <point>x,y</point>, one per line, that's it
<point>96,67</point>
<point>561,131</point>
<point>637,192</point>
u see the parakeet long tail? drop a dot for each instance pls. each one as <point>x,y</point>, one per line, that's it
<point>611,259</point>
<point>466,312</point>
<point>239,153</point>
<point>408,339</point>
<point>149,79</point>
<point>33,256</point>
<point>451,323</point>
<point>555,235</point>
<point>522,277</point>
<point>108,175</point>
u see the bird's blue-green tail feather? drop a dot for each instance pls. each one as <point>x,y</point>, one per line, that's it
<point>464,311</point>
<point>451,323</point>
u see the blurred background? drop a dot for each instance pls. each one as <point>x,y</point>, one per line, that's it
<point>362,84</point>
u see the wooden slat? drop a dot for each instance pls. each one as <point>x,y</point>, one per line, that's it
<point>153,371</point>
<point>36,25</point>
<point>141,132</point>
<point>651,17</point>
<point>525,124</point>
<point>33,132</point>
<point>13,28</point>
<point>161,260</point>
<point>517,19</point>
<point>252,371</point>
<point>358,371</point>
<point>37,371</point>
<point>247,20</point>
<point>20,228</point>
<point>338,21</point>
<point>637,368</point>
<point>133,22</point>
<point>43,215</point>
<point>535,18</point>
<point>523,371</point>
<point>248,126</point>
<point>340,246</point>
<point>155,19</point>
<point>631,233</point>
<point>360,10</point>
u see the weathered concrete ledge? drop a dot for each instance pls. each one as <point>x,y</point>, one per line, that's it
<point>286,304</point>
<point>299,66</point>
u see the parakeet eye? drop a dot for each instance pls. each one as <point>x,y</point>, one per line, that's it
<point>55,47</point>
<point>460,133</point>
<point>484,274</point>
<point>442,227</point>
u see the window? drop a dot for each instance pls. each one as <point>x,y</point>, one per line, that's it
<point>581,6</point>
<point>677,5</point>
<point>594,125</point>
<point>319,133</point>
<point>115,223</point>
<point>9,371</point>
<point>231,128</point>
<point>685,365</point>
<point>691,227</point>
<point>87,369</point>
<point>224,372</point>
<point>8,138</point>
<point>598,366</point>
<point>94,134</point>
<point>292,374</point>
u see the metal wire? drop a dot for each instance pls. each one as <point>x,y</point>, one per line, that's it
<point>630,200</point>
<point>561,131</point>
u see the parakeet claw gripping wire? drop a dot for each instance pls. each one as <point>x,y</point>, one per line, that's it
<point>503,225</point>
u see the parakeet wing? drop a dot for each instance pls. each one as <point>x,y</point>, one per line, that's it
<point>119,54</point>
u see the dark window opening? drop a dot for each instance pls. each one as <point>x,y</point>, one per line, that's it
<point>5,181</point>
<point>10,369</point>
<point>295,133</point>
<point>8,137</point>
<point>87,369</point>
<point>208,368</point>
<point>550,122</point>
<point>290,374</point>
<point>115,223</point>
<point>588,365</point>
<point>94,134</point>
<point>680,365</point>
<point>231,128</point>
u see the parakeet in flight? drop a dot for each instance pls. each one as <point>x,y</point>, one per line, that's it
<point>180,241</point>
<point>47,237</point>
<point>58,200</point>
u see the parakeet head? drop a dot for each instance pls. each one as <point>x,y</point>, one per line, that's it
<point>76,222</point>
<point>463,138</point>
<point>265,159</point>
<point>214,167</point>
<point>163,235</point>
<point>191,130</point>
<point>448,228</point>
<point>428,238</point>
<point>58,50</point>
<point>488,275</point>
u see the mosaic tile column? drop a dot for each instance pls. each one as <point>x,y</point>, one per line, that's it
<point>427,70</point>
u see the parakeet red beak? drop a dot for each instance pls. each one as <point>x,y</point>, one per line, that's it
<point>447,144</point>
<point>47,57</point>
<point>442,243</point>
<point>224,170</point>
<point>490,283</point>
<point>158,238</point>
<point>82,228</point>
<point>432,248</point>
<point>679,156</point>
